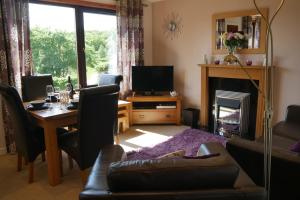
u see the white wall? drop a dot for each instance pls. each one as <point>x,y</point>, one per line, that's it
<point>187,51</point>
<point>148,33</point>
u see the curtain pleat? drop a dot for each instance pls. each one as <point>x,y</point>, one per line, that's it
<point>15,54</point>
<point>130,36</point>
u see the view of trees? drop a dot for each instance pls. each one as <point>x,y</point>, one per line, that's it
<point>54,52</point>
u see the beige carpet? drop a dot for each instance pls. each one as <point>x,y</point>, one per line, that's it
<point>14,186</point>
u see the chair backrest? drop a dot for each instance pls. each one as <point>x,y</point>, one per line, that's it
<point>110,79</point>
<point>21,122</point>
<point>97,114</point>
<point>34,87</point>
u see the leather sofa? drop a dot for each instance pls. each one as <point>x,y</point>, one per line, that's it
<point>161,179</point>
<point>285,174</point>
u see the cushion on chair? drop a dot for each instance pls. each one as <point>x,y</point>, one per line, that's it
<point>171,174</point>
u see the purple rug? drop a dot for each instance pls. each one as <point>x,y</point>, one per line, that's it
<point>189,140</point>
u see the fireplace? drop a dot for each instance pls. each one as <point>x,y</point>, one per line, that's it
<point>236,87</point>
<point>231,113</point>
<point>232,78</point>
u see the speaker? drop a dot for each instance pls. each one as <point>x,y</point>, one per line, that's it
<point>191,117</point>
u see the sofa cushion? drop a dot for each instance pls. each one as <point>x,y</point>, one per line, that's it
<point>171,174</point>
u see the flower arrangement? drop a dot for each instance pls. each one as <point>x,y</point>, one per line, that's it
<point>232,41</point>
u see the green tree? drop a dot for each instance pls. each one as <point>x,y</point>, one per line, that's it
<point>96,50</point>
<point>54,52</point>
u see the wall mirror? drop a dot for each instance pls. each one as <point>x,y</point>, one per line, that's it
<point>248,22</point>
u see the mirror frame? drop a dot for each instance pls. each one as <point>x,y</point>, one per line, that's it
<point>262,43</point>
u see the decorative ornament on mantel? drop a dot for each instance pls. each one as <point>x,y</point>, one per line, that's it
<point>172,25</point>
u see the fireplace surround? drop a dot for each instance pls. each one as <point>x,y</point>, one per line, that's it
<point>209,71</point>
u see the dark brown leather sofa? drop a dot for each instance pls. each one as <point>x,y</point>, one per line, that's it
<point>165,179</point>
<point>285,170</point>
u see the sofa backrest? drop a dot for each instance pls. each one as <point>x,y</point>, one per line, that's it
<point>171,174</point>
<point>293,114</point>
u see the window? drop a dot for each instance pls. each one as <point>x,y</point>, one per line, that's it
<point>100,45</point>
<point>72,41</point>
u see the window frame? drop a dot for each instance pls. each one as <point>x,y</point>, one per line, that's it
<point>79,30</point>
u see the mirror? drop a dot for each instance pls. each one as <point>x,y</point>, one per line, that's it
<point>247,22</point>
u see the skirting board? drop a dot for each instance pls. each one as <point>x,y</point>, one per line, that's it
<point>3,151</point>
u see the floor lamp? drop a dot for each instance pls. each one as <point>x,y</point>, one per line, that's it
<point>267,95</point>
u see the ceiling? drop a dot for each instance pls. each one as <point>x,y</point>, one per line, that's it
<point>114,1</point>
<point>152,1</point>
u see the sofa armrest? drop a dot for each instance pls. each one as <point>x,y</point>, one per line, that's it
<point>96,186</point>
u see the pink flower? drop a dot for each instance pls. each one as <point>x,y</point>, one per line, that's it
<point>230,36</point>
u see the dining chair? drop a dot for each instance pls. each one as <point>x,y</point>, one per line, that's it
<point>34,87</point>
<point>97,114</point>
<point>110,79</point>
<point>29,138</point>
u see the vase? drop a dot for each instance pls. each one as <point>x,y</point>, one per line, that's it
<point>231,58</point>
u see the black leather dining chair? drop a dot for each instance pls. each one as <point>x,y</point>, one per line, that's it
<point>34,87</point>
<point>97,114</point>
<point>29,138</point>
<point>110,79</point>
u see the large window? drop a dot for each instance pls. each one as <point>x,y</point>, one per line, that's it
<point>72,41</point>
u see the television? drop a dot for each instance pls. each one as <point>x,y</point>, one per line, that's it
<point>152,78</point>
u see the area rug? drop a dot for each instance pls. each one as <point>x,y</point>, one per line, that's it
<point>189,140</point>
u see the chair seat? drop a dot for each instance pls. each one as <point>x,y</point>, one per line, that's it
<point>69,142</point>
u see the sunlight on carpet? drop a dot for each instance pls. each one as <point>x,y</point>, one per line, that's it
<point>147,139</point>
<point>127,148</point>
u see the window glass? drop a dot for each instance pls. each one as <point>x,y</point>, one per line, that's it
<point>100,45</point>
<point>53,42</point>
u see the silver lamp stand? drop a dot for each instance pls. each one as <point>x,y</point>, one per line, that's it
<point>267,95</point>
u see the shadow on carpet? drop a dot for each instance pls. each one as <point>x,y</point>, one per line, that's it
<point>189,140</point>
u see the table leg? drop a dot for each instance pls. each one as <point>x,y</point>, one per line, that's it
<point>129,109</point>
<point>52,154</point>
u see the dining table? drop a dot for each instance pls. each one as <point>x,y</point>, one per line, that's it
<point>55,116</point>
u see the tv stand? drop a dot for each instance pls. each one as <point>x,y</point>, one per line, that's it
<point>163,109</point>
<point>147,94</point>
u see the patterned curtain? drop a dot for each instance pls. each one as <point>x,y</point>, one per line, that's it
<point>15,53</point>
<point>130,39</point>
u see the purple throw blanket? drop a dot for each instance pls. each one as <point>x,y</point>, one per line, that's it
<point>189,140</point>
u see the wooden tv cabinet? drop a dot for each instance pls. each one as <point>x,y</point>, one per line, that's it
<point>155,109</point>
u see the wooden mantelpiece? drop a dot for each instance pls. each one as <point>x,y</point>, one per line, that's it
<point>231,71</point>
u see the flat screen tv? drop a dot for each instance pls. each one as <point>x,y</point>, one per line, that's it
<point>152,78</point>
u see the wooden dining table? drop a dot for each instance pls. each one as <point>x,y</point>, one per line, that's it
<point>50,119</point>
